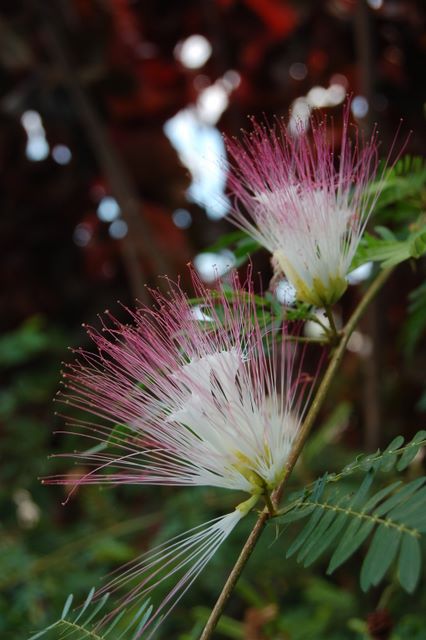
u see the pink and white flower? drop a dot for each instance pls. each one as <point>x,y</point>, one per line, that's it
<point>303,203</point>
<point>179,400</point>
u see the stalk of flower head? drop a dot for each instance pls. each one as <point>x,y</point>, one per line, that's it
<point>308,207</point>
<point>181,559</point>
<point>206,395</point>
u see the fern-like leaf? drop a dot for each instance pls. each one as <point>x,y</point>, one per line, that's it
<point>397,454</point>
<point>405,180</point>
<point>391,520</point>
<point>83,623</point>
<point>389,250</point>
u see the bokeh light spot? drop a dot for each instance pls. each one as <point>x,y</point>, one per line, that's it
<point>212,266</point>
<point>359,107</point>
<point>118,229</point>
<point>108,209</point>
<point>182,218</point>
<point>193,52</point>
<point>298,71</point>
<point>61,154</point>
<point>82,235</point>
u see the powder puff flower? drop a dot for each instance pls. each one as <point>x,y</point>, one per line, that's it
<point>304,205</point>
<point>187,396</point>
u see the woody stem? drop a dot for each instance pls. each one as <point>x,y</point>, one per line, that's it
<point>305,429</point>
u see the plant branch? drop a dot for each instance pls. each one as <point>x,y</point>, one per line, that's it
<point>317,402</point>
<point>140,241</point>
<point>330,318</point>
<point>305,339</point>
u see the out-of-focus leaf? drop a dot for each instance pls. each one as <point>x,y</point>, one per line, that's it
<point>415,323</point>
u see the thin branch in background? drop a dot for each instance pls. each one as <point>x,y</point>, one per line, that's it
<point>140,240</point>
<point>372,413</point>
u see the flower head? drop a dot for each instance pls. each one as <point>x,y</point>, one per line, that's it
<point>186,395</point>
<point>181,401</point>
<point>308,207</point>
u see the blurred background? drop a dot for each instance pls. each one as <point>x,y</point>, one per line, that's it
<point>113,171</point>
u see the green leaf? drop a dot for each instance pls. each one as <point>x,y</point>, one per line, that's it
<point>355,535</point>
<point>329,537</point>
<point>84,624</point>
<point>317,535</point>
<point>388,250</point>
<point>402,494</point>
<point>405,181</point>
<point>409,563</point>
<point>309,528</point>
<point>120,434</point>
<point>380,556</point>
<point>241,245</point>
<point>384,519</point>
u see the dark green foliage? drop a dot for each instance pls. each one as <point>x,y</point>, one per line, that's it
<point>399,205</point>
<point>29,340</point>
<point>83,623</point>
<point>405,182</point>
<point>391,519</point>
<point>416,320</point>
<point>241,245</point>
<point>388,250</point>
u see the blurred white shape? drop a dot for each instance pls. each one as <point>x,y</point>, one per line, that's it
<point>118,229</point>
<point>37,148</point>
<point>375,4</point>
<point>198,314</point>
<point>82,235</point>
<point>361,344</point>
<point>200,146</point>
<point>31,121</point>
<point>299,118</point>
<point>28,513</point>
<point>317,97</point>
<point>359,106</point>
<point>314,329</point>
<point>201,149</point>
<point>108,209</point>
<point>193,52</point>
<point>212,102</point>
<point>285,293</point>
<point>231,79</point>
<point>361,273</point>
<point>211,266</point>
<point>336,94</point>
<point>182,218</point>
<point>61,154</point>
<point>298,71</point>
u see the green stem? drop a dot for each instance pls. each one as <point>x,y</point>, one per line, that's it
<point>333,329</point>
<point>314,318</point>
<point>317,402</point>
<point>270,506</point>
<point>324,340</point>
